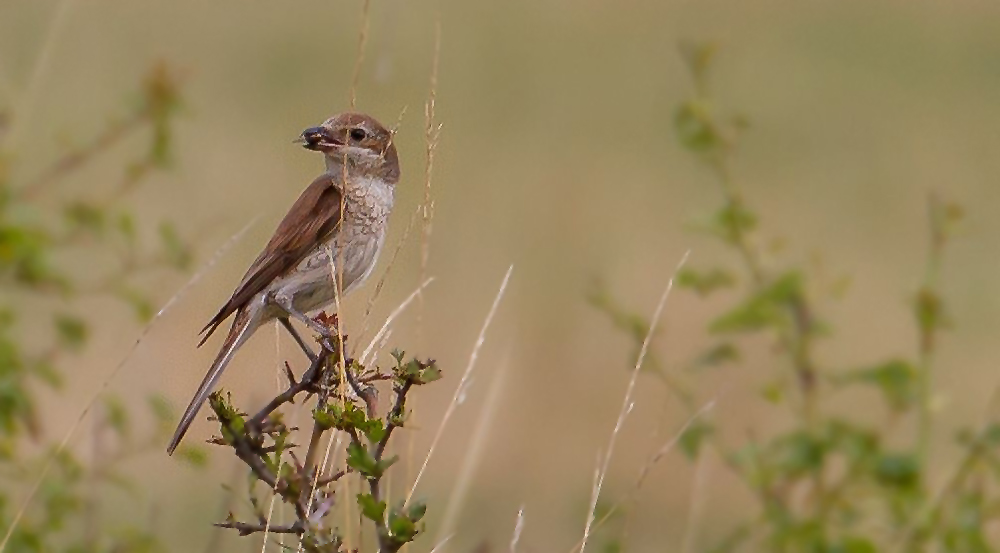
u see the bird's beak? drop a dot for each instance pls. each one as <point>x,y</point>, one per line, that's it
<point>318,139</point>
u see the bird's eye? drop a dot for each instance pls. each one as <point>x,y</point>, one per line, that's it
<point>358,134</point>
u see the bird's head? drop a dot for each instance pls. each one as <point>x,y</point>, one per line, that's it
<point>356,141</point>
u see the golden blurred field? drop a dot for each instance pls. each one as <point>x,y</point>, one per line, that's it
<point>557,156</point>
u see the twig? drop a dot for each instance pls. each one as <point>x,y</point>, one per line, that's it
<point>245,529</point>
<point>394,415</point>
<point>332,478</point>
<point>317,432</point>
<point>308,382</point>
<point>114,134</point>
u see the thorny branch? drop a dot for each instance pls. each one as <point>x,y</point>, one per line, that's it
<point>262,440</point>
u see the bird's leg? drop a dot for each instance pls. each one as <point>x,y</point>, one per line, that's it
<point>285,302</point>
<point>298,338</point>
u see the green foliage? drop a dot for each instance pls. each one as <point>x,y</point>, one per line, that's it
<point>705,282</point>
<point>374,511</point>
<point>694,436</point>
<point>896,379</point>
<point>344,406</point>
<point>833,480</point>
<point>766,308</point>
<point>361,460</point>
<point>40,232</point>
<point>404,524</point>
<point>414,371</point>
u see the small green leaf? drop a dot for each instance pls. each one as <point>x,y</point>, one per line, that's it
<point>692,438</point>
<point>161,408</point>
<point>85,216</point>
<point>374,430</point>
<point>325,419</point>
<point>72,331</point>
<point>384,464</point>
<point>695,127</point>
<point>898,470</point>
<point>698,57</point>
<point>854,545</point>
<point>896,379</point>
<point>417,511</point>
<point>46,371</point>
<point>799,453</point>
<point>733,222</point>
<point>991,435</point>
<point>706,282</point>
<point>401,527</point>
<point>773,391</point>
<point>929,311</point>
<point>231,423</point>
<point>140,304</point>
<point>764,309</point>
<point>428,375</point>
<point>126,227</point>
<point>178,253</point>
<point>370,508</point>
<point>361,460</point>
<point>858,444</point>
<point>195,456</point>
<point>719,354</point>
<point>116,415</point>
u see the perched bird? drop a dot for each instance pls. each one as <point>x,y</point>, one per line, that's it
<point>343,212</point>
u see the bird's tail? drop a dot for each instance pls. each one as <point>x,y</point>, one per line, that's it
<point>246,321</point>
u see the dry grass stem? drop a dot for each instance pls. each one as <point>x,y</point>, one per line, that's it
<point>388,321</point>
<point>518,528</point>
<point>432,134</point>
<point>359,60</point>
<point>627,404</point>
<point>440,545</point>
<point>381,281</point>
<point>461,384</point>
<point>474,451</point>
<point>648,467</point>
<point>392,261</point>
<point>277,390</point>
<point>29,96</point>
<point>50,461</point>
<point>696,506</point>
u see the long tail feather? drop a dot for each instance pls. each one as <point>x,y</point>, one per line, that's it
<point>247,320</point>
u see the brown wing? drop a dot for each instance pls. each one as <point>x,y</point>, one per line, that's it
<point>311,219</point>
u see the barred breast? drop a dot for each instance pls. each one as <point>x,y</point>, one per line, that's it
<point>355,248</point>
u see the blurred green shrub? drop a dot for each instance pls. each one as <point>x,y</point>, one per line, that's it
<point>45,235</point>
<point>830,483</point>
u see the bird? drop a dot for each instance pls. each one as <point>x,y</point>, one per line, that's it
<point>343,213</point>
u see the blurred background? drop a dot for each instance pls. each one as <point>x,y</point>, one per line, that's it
<point>557,155</point>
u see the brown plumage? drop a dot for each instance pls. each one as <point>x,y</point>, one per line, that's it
<point>310,221</point>
<point>343,212</point>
